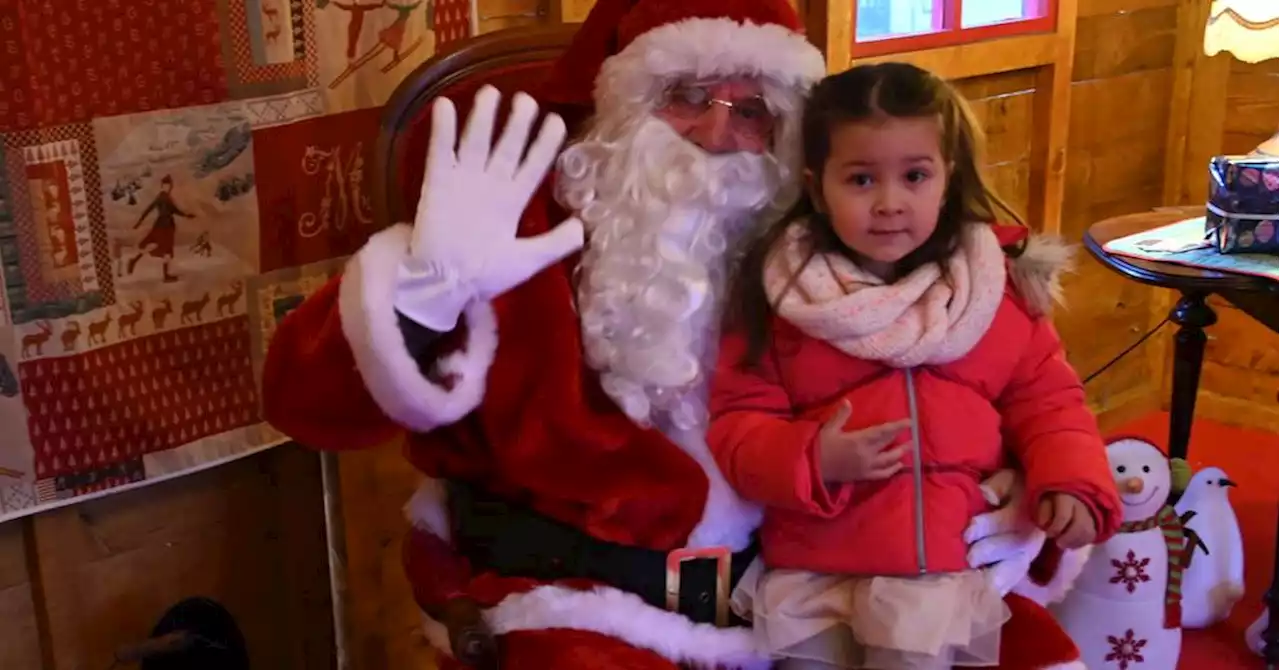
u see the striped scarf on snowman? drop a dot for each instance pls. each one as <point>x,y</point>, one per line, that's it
<point>1179,549</point>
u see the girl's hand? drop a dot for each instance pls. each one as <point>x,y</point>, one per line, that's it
<point>858,455</point>
<point>1067,520</point>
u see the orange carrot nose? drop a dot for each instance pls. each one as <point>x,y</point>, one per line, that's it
<point>1131,485</point>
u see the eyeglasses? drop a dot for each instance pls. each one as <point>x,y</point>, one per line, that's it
<point>746,115</point>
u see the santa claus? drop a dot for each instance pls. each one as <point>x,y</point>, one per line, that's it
<point>553,393</point>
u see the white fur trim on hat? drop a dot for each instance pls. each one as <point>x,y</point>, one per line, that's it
<point>705,48</point>
<point>371,326</point>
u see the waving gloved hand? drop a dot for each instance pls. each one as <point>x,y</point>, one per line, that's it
<point>464,245</point>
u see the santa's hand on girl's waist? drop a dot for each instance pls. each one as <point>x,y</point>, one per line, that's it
<point>1003,540</point>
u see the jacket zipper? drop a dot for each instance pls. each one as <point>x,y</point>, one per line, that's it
<point>917,472</point>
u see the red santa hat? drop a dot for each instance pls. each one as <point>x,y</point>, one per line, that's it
<point>628,50</point>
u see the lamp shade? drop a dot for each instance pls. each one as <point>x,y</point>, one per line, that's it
<point>1247,29</point>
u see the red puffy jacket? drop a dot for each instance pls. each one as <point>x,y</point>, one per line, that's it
<point>1014,391</point>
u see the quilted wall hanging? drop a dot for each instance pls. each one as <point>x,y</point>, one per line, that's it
<point>174,177</point>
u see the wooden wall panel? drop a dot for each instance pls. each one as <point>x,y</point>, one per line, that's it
<point>20,634</point>
<point>383,620</point>
<point>79,582</point>
<point>1003,104</point>
<point>499,14</point>
<point>1251,105</point>
<point>1122,83</point>
<point>1239,380</point>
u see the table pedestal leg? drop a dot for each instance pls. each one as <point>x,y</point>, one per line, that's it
<point>1193,315</point>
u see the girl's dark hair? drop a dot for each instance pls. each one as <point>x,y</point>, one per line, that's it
<point>867,93</point>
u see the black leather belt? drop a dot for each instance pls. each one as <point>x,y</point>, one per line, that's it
<point>515,541</point>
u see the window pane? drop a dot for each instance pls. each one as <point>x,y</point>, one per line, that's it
<point>878,19</point>
<point>986,12</point>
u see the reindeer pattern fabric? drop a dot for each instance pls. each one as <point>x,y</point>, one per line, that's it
<point>160,216</point>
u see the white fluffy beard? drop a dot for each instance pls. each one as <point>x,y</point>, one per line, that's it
<point>664,220</point>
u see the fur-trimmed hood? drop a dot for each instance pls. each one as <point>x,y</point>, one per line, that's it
<point>1037,273</point>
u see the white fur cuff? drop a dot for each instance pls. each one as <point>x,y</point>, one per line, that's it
<point>706,47</point>
<point>620,615</point>
<point>370,323</point>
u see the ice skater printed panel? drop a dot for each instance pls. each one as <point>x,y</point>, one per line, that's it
<point>318,203</point>
<point>116,403</point>
<point>52,240</point>
<point>178,188</point>
<point>266,45</point>
<point>90,59</point>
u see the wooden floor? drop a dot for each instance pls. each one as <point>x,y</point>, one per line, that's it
<point>79,582</point>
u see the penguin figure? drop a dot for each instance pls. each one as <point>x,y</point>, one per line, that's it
<point>1212,583</point>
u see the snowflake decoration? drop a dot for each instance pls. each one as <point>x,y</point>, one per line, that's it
<point>1130,571</point>
<point>1124,650</point>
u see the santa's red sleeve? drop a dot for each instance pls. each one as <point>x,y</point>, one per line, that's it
<point>1049,428</point>
<point>339,374</point>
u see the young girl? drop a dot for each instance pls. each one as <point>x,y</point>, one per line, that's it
<point>884,348</point>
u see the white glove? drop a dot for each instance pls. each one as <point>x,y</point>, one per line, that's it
<point>1003,541</point>
<point>464,244</point>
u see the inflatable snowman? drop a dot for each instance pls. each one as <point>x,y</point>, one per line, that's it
<point>1124,611</point>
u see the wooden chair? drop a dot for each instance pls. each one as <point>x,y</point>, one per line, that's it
<point>511,60</point>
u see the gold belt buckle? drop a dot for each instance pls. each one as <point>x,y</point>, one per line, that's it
<point>723,558</point>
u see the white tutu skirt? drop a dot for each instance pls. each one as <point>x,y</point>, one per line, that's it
<point>810,620</point>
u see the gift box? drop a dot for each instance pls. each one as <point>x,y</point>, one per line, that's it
<point>1242,212</point>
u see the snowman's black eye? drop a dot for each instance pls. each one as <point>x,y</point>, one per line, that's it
<point>1120,469</point>
<point>1146,468</point>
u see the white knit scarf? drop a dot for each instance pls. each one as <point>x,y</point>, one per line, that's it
<point>923,318</point>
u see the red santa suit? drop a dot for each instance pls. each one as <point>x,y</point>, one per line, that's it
<point>591,540</point>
